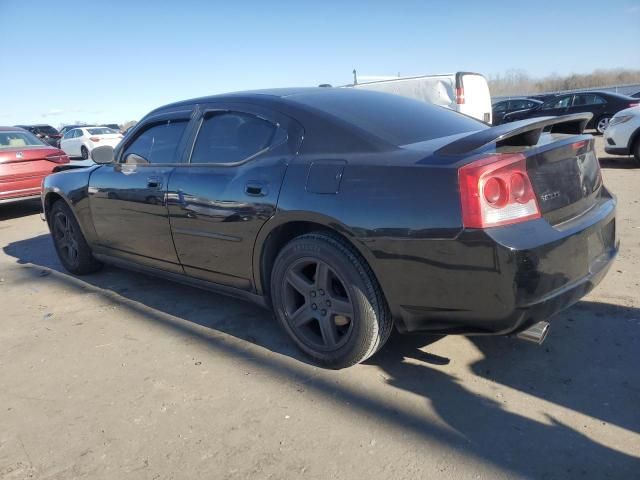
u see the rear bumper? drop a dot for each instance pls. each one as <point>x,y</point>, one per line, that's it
<point>502,280</point>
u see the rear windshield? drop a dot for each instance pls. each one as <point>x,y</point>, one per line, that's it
<point>101,131</point>
<point>18,140</point>
<point>394,119</point>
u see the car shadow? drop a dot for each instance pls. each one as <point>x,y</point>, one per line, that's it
<point>618,162</point>
<point>587,365</point>
<point>22,208</point>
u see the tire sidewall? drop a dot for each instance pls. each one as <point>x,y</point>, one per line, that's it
<point>85,156</point>
<point>598,122</point>
<point>365,328</point>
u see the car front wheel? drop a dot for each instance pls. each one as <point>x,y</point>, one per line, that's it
<point>328,300</point>
<point>71,246</point>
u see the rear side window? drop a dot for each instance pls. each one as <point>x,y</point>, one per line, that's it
<point>231,137</point>
<point>587,99</point>
<point>500,107</point>
<point>392,118</point>
<point>157,144</point>
<point>556,103</point>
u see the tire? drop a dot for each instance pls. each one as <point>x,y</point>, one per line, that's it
<point>327,299</point>
<point>84,152</point>
<point>601,124</point>
<point>635,151</point>
<point>72,248</point>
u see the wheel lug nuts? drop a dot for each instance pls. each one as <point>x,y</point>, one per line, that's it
<point>328,303</point>
<point>313,293</point>
<point>323,312</point>
<point>321,292</point>
<point>314,306</point>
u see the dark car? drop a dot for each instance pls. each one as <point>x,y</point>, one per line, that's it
<point>602,105</point>
<point>66,128</point>
<point>500,109</point>
<point>45,132</point>
<point>113,126</point>
<point>348,212</point>
<point>636,95</point>
<point>543,97</point>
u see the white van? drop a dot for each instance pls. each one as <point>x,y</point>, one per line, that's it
<point>464,92</point>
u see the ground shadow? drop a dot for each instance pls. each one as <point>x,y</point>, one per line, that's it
<point>582,368</point>
<point>23,208</point>
<point>618,162</point>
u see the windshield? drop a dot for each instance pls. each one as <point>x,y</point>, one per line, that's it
<point>18,140</point>
<point>101,131</point>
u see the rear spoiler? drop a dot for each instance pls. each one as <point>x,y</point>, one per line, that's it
<point>520,133</point>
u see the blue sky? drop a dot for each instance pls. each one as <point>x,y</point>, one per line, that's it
<point>112,61</point>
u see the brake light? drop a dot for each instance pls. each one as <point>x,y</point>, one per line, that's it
<point>57,158</point>
<point>459,95</point>
<point>496,191</point>
<point>94,139</point>
<point>634,104</point>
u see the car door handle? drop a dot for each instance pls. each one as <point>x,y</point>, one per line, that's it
<point>154,182</point>
<point>255,189</point>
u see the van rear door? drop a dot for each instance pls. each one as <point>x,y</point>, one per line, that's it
<point>472,96</point>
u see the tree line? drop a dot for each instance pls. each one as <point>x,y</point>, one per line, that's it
<point>518,82</point>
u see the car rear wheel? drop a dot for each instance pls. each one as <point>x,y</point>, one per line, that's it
<point>327,299</point>
<point>71,246</point>
<point>84,152</point>
<point>602,123</point>
<point>636,151</point>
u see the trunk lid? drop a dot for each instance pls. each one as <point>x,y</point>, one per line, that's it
<point>27,153</point>
<point>565,175</point>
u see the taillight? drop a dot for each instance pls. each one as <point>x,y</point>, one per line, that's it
<point>496,191</point>
<point>58,158</point>
<point>634,104</point>
<point>459,95</point>
<point>94,139</point>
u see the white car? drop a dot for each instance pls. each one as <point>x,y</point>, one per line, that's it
<point>79,142</point>
<point>622,136</point>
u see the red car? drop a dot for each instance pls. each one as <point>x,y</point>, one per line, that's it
<point>24,161</point>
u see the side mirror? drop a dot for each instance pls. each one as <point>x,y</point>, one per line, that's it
<point>102,155</point>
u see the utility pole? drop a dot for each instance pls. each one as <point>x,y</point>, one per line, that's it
<point>355,77</point>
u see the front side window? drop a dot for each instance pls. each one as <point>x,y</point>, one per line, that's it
<point>556,103</point>
<point>519,104</point>
<point>231,137</point>
<point>500,107</point>
<point>157,144</point>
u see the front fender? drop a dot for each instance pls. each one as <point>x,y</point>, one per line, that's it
<point>72,187</point>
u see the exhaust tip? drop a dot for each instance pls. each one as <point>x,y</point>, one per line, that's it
<point>536,333</point>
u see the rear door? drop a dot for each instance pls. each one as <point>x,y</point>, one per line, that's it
<point>589,102</point>
<point>220,199</point>
<point>555,106</point>
<point>128,199</point>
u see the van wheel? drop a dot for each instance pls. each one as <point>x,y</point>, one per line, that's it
<point>71,246</point>
<point>328,301</point>
<point>84,152</point>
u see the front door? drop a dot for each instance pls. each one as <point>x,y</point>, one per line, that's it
<point>229,188</point>
<point>128,199</point>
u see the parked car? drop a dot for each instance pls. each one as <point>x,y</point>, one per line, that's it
<point>24,161</point>
<point>66,128</point>
<point>113,126</point>
<point>45,132</point>
<point>636,95</point>
<point>623,135</point>
<point>79,142</point>
<point>348,212</point>
<point>464,92</point>
<point>543,97</point>
<point>603,106</point>
<point>500,109</point>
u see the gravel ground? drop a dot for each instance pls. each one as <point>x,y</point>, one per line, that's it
<point>122,376</point>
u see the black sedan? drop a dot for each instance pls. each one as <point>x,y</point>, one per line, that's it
<point>44,132</point>
<point>602,105</point>
<point>348,212</point>
<point>501,108</point>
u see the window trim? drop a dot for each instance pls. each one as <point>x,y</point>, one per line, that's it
<point>185,115</point>
<point>216,111</point>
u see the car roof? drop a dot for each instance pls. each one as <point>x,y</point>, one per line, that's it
<point>272,94</point>
<point>17,128</point>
